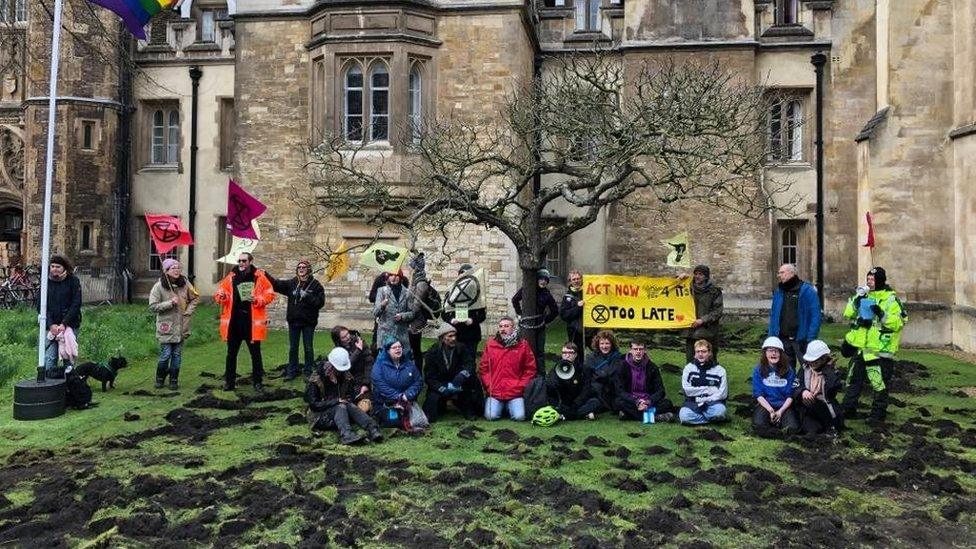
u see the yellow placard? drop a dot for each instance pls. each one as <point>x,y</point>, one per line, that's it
<point>637,302</point>
<point>338,263</point>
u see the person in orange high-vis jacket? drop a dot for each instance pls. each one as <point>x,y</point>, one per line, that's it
<point>243,296</point>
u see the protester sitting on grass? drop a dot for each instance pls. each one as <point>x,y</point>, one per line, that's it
<point>569,388</point>
<point>604,364</point>
<point>507,366</point>
<point>396,385</point>
<point>362,363</point>
<point>173,299</point>
<point>330,393</point>
<point>706,386</point>
<point>450,376</point>
<point>772,387</point>
<point>639,389</point>
<point>815,392</point>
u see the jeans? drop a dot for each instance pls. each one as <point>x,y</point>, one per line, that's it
<point>695,416</point>
<point>306,333</point>
<point>51,358</point>
<point>170,356</point>
<point>515,406</point>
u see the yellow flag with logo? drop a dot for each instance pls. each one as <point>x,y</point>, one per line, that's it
<point>338,263</point>
<point>680,254</point>
<point>385,258</point>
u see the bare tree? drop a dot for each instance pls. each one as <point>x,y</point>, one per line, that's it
<point>588,132</point>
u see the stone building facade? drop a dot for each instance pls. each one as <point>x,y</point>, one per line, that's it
<point>276,75</point>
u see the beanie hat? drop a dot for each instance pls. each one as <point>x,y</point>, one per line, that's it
<point>465,267</point>
<point>815,350</point>
<point>339,359</point>
<point>880,277</point>
<point>773,342</point>
<point>703,269</point>
<point>444,329</point>
<point>543,274</point>
<point>168,263</point>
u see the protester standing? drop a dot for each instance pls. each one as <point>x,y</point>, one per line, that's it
<point>795,314</point>
<point>174,299</point>
<point>708,312</point>
<point>546,311</point>
<point>393,312</point>
<point>418,307</point>
<point>468,328</point>
<point>63,314</point>
<point>379,282</point>
<point>306,297</point>
<point>244,295</point>
<point>571,311</point>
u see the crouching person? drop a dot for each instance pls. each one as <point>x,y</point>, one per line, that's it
<point>815,391</point>
<point>507,366</point>
<point>396,385</point>
<point>639,388</point>
<point>450,376</point>
<point>569,387</point>
<point>706,387</point>
<point>772,387</point>
<point>330,393</point>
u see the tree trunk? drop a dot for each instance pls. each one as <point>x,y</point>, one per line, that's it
<point>530,324</point>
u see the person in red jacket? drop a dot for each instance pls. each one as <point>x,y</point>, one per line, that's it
<point>507,366</point>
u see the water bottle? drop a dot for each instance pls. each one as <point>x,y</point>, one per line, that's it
<point>650,414</point>
<point>646,417</point>
<point>392,415</point>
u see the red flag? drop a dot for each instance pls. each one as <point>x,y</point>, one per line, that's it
<point>167,232</point>
<point>241,209</point>
<point>869,242</point>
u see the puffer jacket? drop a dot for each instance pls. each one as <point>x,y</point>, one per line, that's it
<point>391,380</point>
<point>505,371</point>
<point>173,321</point>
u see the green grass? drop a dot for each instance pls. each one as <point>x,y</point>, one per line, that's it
<point>515,520</point>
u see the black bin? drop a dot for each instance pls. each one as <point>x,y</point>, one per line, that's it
<point>38,400</point>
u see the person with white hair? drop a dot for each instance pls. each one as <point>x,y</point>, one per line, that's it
<point>795,313</point>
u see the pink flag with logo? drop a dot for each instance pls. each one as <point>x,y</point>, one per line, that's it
<point>241,209</point>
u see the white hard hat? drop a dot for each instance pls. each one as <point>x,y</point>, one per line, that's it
<point>774,342</point>
<point>339,359</point>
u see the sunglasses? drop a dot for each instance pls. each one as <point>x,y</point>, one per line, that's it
<point>242,260</point>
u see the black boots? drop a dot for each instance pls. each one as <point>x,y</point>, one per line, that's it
<point>174,378</point>
<point>350,437</point>
<point>160,375</point>
<point>374,434</point>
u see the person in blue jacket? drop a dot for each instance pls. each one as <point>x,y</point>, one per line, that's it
<point>795,314</point>
<point>396,383</point>
<point>772,387</point>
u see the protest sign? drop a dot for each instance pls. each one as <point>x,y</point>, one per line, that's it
<point>637,302</point>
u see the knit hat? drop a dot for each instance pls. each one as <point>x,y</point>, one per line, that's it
<point>543,274</point>
<point>703,269</point>
<point>815,350</point>
<point>774,343</point>
<point>465,267</point>
<point>168,263</point>
<point>444,329</point>
<point>305,262</point>
<point>880,277</point>
<point>339,359</point>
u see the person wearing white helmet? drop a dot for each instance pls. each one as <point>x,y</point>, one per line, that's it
<point>772,387</point>
<point>330,395</point>
<point>815,392</point>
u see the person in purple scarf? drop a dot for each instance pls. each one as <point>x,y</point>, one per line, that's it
<point>638,387</point>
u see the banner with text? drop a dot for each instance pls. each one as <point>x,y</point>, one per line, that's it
<point>637,302</point>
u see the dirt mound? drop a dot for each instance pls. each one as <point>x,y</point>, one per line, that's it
<point>214,403</point>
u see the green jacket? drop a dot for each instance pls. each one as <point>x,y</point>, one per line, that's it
<point>884,335</point>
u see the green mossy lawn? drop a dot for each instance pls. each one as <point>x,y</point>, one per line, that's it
<point>201,466</point>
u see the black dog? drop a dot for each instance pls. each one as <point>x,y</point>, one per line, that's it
<point>102,372</point>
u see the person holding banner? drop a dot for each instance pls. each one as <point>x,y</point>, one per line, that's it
<point>706,386</point>
<point>571,310</point>
<point>63,312</point>
<point>604,364</point>
<point>507,366</point>
<point>546,310</point>
<point>708,312</point>
<point>639,389</point>
<point>466,320</point>
<point>306,297</point>
<point>393,311</point>
<point>174,300</point>
<point>244,295</point>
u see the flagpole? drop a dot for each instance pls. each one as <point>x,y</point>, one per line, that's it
<point>48,176</point>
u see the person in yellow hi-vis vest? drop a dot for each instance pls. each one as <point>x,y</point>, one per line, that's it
<point>877,318</point>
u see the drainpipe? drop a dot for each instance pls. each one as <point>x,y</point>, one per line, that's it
<point>819,60</point>
<point>195,74</point>
<point>123,146</point>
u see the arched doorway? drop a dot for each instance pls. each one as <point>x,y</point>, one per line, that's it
<point>11,225</point>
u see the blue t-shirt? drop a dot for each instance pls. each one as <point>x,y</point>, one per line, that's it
<point>774,388</point>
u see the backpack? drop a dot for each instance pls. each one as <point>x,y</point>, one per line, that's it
<point>432,301</point>
<point>535,396</point>
<point>77,393</point>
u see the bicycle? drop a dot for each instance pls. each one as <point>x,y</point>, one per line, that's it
<point>20,288</point>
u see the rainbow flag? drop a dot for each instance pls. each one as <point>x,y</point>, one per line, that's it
<point>137,13</point>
